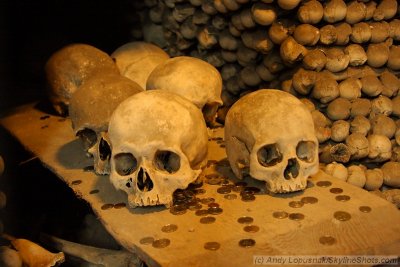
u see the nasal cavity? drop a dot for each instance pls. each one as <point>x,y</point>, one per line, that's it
<point>104,150</point>
<point>292,169</point>
<point>144,183</point>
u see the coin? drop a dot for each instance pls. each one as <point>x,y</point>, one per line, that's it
<point>207,220</point>
<point>76,182</point>
<point>195,206</point>
<point>309,200</point>
<point>324,183</point>
<point>201,212</point>
<point>213,205</point>
<point>342,198</point>
<point>280,214</point>
<point>223,190</point>
<point>215,210</point>
<point>107,206</point>
<point>95,191</point>
<point>119,205</point>
<point>207,200</point>
<point>342,215</point>
<point>296,204</point>
<point>212,245</point>
<point>248,197</point>
<point>245,220</point>
<point>146,240</point>
<point>161,243</point>
<point>169,228</point>
<point>336,190</point>
<point>238,188</point>
<point>327,240</point>
<point>214,181</point>
<point>251,228</point>
<point>199,191</point>
<point>365,209</point>
<point>296,216</point>
<point>225,182</point>
<point>251,189</point>
<point>88,168</point>
<point>247,243</point>
<point>242,184</point>
<point>230,196</point>
<point>178,209</point>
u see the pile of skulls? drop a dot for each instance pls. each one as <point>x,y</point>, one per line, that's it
<point>341,58</point>
<point>151,142</point>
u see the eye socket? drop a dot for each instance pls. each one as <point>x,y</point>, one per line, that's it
<point>167,161</point>
<point>305,151</point>
<point>125,163</point>
<point>88,137</point>
<point>269,155</point>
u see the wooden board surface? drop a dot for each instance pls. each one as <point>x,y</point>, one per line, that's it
<point>374,233</point>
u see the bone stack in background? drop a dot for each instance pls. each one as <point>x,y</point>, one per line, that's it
<point>341,58</point>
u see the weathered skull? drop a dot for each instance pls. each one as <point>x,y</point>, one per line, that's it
<point>192,78</point>
<point>136,60</point>
<point>68,68</point>
<point>270,135</point>
<point>90,111</point>
<point>159,144</point>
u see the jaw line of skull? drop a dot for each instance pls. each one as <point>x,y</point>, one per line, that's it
<point>281,185</point>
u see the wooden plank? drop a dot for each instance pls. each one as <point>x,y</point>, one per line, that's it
<point>374,233</point>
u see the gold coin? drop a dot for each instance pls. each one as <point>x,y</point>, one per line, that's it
<point>247,243</point>
<point>342,198</point>
<point>215,210</point>
<point>242,184</point>
<point>248,197</point>
<point>161,243</point>
<point>212,245</point>
<point>146,240</point>
<point>230,196</point>
<point>214,181</point>
<point>76,182</point>
<point>324,183</point>
<point>107,206</point>
<point>251,228</point>
<point>201,212</point>
<point>225,182</point>
<point>199,191</point>
<point>296,204</point>
<point>342,216</point>
<point>251,190</point>
<point>207,200</point>
<point>365,209</point>
<point>119,205</point>
<point>169,228</point>
<point>296,216</point>
<point>223,190</point>
<point>336,190</point>
<point>178,209</point>
<point>280,214</point>
<point>245,220</point>
<point>327,240</point>
<point>213,205</point>
<point>195,206</point>
<point>237,188</point>
<point>309,200</point>
<point>207,220</point>
<point>95,191</point>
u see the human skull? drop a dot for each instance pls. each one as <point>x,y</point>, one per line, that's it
<point>90,111</point>
<point>270,135</point>
<point>68,68</point>
<point>136,60</point>
<point>192,78</point>
<point>159,144</point>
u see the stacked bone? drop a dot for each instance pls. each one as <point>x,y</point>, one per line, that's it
<point>342,58</point>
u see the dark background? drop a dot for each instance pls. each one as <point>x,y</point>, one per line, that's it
<point>31,30</point>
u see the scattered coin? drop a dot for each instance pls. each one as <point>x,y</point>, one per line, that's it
<point>309,200</point>
<point>327,240</point>
<point>296,216</point>
<point>245,220</point>
<point>195,206</point>
<point>146,240</point>
<point>280,214</point>
<point>247,243</point>
<point>225,182</point>
<point>248,197</point>
<point>213,205</point>
<point>215,210</point>
<point>89,168</point>
<point>336,190</point>
<point>161,243</point>
<point>44,117</point>
<point>169,228</point>
<point>224,190</point>
<point>251,189</point>
<point>207,200</point>
<point>76,182</point>
<point>199,191</point>
<point>207,220</point>
<point>342,198</point>
<point>230,196</point>
<point>212,245</point>
<point>178,209</point>
<point>119,205</point>
<point>201,212</point>
<point>296,204</point>
<point>242,184</point>
<point>95,191</point>
<point>324,183</point>
<point>251,228</point>
<point>342,216</point>
<point>107,206</point>
<point>214,181</point>
<point>238,188</point>
<point>365,209</point>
